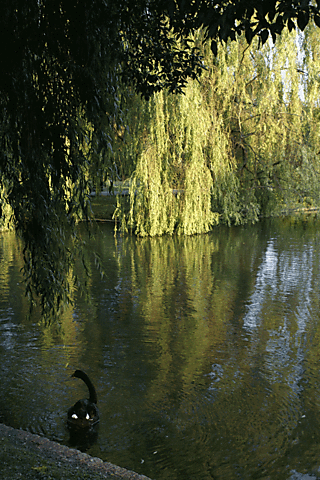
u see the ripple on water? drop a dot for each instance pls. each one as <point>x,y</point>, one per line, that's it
<point>9,332</point>
<point>214,374</point>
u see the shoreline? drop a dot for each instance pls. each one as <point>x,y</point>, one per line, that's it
<point>28,456</point>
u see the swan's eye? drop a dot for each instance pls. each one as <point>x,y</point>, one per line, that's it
<point>74,415</point>
<point>87,416</point>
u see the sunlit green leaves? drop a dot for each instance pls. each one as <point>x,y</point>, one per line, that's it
<point>246,125</point>
<point>64,69</point>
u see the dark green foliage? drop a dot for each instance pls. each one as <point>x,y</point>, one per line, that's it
<point>61,65</point>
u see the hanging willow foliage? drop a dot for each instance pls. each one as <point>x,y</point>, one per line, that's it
<point>241,143</point>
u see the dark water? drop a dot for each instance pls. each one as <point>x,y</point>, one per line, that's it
<point>205,352</point>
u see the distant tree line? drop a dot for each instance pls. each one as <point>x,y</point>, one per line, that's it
<point>241,143</point>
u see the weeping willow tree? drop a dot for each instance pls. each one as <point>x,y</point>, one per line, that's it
<point>182,150</point>
<point>241,143</point>
<point>269,128</point>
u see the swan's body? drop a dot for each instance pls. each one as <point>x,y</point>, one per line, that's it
<point>84,413</point>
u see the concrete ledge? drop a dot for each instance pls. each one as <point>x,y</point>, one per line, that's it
<point>27,456</point>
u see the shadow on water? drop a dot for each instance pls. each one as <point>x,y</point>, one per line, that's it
<point>204,352</point>
<point>84,439</point>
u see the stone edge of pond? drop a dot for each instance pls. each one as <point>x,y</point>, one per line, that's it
<point>29,456</point>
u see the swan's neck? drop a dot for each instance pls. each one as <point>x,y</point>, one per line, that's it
<point>92,390</point>
<point>87,381</point>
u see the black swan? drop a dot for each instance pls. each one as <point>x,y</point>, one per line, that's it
<point>84,413</point>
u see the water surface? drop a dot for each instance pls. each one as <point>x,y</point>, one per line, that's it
<point>204,352</point>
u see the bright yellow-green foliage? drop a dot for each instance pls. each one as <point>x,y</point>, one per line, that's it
<point>242,143</point>
<point>5,222</point>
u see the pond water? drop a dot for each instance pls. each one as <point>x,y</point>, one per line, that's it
<point>205,352</point>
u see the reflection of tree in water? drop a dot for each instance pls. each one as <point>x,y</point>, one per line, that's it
<point>185,384</point>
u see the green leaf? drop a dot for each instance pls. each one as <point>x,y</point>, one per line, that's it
<point>264,36</point>
<point>214,48</point>
<point>291,25</point>
<point>303,19</point>
<point>249,34</point>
